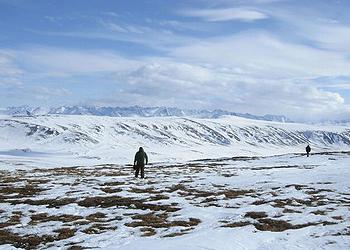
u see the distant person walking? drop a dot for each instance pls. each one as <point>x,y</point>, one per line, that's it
<point>139,162</point>
<point>308,150</point>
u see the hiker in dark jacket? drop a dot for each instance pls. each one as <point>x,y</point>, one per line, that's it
<point>308,150</point>
<point>139,162</point>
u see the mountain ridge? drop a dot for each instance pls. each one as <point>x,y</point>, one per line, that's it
<point>136,111</point>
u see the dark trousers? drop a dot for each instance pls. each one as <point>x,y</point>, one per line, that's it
<point>138,169</point>
<point>307,154</point>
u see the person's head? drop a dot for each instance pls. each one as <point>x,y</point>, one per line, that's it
<point>141,149</point>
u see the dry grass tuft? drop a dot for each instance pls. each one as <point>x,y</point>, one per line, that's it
<point>271,225</point>
<point>65,233</point>
<point>96,217</point>
<point>119,201</point>
<point>44,217</point>
<point>147,231</point>
<point>13,220</point>
<point>98,228</point>
<point>237,224</point>
<point>152,220</point>
<point>110,190</point>
<point>27,241</point>
<point>144,190</point>
<point>25,191</point>
<point>50,203</point>
<point>255,215</point>
<point>319,212</point>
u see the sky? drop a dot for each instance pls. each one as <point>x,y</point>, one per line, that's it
<point>284,57</point>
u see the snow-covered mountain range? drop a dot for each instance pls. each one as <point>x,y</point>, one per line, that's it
<point>75,139</point>
<point>134,111</point>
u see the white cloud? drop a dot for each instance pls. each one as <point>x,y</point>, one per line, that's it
<point>158,39</point>
<point>55,20</point>
<point>9,73</point>
<point>46,93</point>
<point>197,83</point>
<point>65,62</point>
<point>43,90</point>
<point>160,82</point>
<point>113,26</point>
<point>327,33</point>
<point>262,54</point>
<point>111,13</point>
<point>339,86</point>
<point>226,14</point>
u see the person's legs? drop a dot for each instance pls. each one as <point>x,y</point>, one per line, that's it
<point>307,153</point>
<point>137,171</point>
<point>142,171</point>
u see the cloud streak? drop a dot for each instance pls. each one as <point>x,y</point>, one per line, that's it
<point>226,14</point>
<point>262,54</point>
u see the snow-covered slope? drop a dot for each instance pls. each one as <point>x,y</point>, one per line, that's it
<point>68,140</point>
<point>252,203</point>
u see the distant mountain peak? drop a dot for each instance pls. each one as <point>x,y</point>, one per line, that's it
<point>135,111</point>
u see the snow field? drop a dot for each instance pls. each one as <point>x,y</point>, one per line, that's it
<point>279,202</point>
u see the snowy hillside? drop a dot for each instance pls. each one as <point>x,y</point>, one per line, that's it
<point>65,184</point>
<point>55,140</point>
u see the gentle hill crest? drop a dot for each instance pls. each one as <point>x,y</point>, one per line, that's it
<point>114,139</point>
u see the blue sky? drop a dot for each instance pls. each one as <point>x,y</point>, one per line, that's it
<point>256,56</point>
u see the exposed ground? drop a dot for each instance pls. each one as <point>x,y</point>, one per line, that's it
<point>99,206</point>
